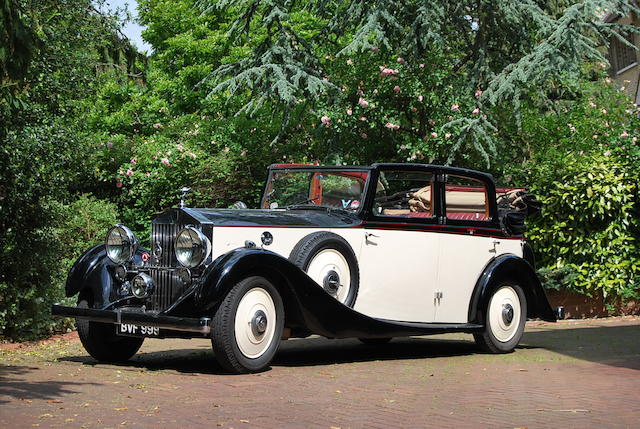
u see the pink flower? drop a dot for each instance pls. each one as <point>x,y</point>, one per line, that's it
<point>157,125</point>
<point>624,134</point>
<point>165,161</point>
<point>401,60</point>
<point>432,122</point>
<point>362,102</point>
<point>447,136</point>
<point>455,108</point>
<point>363,118</point>
<point>118,184</point>
<point>359,92</point>
<point>180,147</point>
<point>325,120</point>
<point>392,126</point>
<point>607,153</point>
<point>595,136</point>
<point>134,161</point>
<point>475,111</point>
<point>592,104</point>
<point>403,147</point>
<point>349,62</point>
<point>396,88</point>
<point>109,145</point>
<point>414,110</point>
<point>148,174</point>
<point>421,65</point>
<point>364,135</point>
<point>129,172</point>
<point>387,71</point>
<point>434,134</point>
<point>420,98</point>
<point>193,155</point>
<point>478,93</point>
<point>349,111</point>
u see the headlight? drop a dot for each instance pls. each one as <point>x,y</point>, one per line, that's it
<point>192,247</point>
<point>142,286</point>
<point>121,244</point>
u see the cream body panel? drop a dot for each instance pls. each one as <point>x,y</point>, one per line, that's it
<point>462,261</point>
<point>227,238</point>
<point>398,274</point>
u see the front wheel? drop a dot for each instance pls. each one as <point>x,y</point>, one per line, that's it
<point>505,317</point>
<point>102,343</point>
<point>247,326</point>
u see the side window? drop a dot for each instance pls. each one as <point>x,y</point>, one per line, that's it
<point>465,199</point>
<point>404,194</point>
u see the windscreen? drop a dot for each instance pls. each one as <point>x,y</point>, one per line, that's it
<point>327,188</point>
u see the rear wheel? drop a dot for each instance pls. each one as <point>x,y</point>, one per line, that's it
<point>102,343</point>
<point>505,317</point>
<point>247,326</point>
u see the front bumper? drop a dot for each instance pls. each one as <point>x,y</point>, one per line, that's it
<point>200,325</point>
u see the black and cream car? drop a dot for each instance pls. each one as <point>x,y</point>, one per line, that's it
<point>373,252</point>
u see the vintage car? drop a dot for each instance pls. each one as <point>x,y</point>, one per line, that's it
<point>372,252</point>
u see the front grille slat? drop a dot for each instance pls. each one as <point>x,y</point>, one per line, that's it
<point>167,287</point>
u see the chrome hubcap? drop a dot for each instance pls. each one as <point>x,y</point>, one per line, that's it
<point>331,282</point>
<point>507,314</point>
<point>259,322</point>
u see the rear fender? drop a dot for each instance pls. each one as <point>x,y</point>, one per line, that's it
<point>510,268</point>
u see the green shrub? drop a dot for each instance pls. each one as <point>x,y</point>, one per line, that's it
<point>25,302</point>
<point>586,238</point>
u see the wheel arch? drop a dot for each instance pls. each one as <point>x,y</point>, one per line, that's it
<point>509,268</point>
<point>92,276</point>
<point>219,278</point>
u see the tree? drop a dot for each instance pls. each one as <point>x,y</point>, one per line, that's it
<point>49,57</point>
<point>495,52</point>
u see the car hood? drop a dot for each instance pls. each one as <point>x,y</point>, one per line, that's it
<point>316,217</point>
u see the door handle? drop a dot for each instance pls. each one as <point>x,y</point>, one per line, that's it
<point>370,234</point>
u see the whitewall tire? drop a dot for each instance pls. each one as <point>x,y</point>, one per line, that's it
<point>247,326</point>
<point>505,317</point>
<point>329,260</point>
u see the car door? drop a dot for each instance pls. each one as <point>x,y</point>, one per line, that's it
<point>398,259</point>
<point>470,238</point>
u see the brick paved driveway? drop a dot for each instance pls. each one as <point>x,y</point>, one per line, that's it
<point>582,374</point>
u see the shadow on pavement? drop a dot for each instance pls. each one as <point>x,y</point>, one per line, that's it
<point>615,345</point>
<point>181,360</point>
<point>320,351</point>
<point>304,352</point>
<point>611,345</point>
<point>13,384</point>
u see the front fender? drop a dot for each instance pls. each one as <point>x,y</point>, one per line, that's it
<point>93,272</point>
<point>510,268</point>
<point>229,269</point>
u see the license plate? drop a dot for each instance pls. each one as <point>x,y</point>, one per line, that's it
<point>131,330</point>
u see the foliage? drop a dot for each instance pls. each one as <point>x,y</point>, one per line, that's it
<point>25,311</point>
<point>45,155</point>
<point>585,170</point>
<point>502,49</point>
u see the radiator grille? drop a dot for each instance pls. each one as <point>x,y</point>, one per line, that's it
<point>167,287</point>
